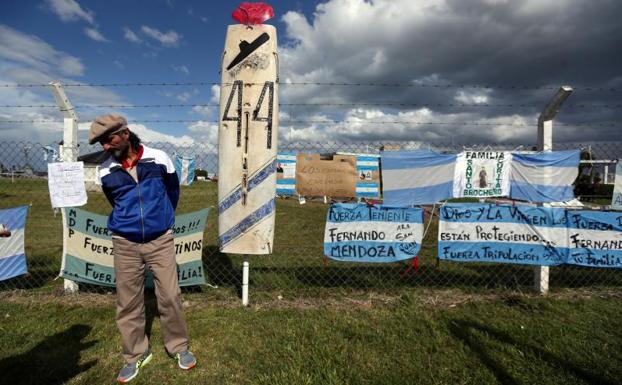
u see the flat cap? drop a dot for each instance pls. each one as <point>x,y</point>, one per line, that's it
<point>106,124</point>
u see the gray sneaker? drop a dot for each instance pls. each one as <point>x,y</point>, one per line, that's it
<point>130,371</point>
<point>186,360</point>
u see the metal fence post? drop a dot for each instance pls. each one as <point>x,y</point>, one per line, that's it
<point>69,152</point>
<point>545,143</point>
<point>245,271</point>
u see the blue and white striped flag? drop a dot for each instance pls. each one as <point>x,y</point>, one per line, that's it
<point>416,177</point>
<point>286,173</point>
<point>545,176</point>
<point>185,169</point>
<point>12,255</point>
<point>366,166</point>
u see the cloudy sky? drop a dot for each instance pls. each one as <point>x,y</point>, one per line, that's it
<point>462,71</point>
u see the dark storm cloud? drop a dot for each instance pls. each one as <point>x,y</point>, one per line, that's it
<point>495,45</point>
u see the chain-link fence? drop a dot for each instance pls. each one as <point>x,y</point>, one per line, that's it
<point>297,263</point>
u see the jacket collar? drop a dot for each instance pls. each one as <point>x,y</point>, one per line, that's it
<point>139,155</point>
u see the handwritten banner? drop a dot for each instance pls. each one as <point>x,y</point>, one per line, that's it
<point>530,235</point>
<point>361,233</point>
<point>503,233</point>
<point>317,177</point>
<point>88,255</point>
<point>595,238</point>
<point>66,184</point>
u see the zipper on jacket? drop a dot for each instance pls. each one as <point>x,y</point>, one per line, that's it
<point>140,203</point>
<point>140,200</point>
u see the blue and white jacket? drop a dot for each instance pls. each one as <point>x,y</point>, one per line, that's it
<point>141,211</point>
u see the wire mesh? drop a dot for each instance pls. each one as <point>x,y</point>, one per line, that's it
<point>297,264</point>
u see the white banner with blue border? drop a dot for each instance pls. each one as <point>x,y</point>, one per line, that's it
<point>372,233</point>
<point>518,234</point>
<point>595,238</point>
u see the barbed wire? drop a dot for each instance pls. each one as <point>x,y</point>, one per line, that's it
<point>358,121</point>
<point>332,84</point>
<point>387,104</point>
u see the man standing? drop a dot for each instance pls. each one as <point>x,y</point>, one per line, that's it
<point>142,187</point>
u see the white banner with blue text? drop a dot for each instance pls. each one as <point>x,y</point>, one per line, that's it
<point>531,235</point>
<point>595,238</point>
<point>88,255</point>
<point>520,234</point>
<point>372,233</point>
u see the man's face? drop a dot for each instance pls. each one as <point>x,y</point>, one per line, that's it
<point>117,143</point>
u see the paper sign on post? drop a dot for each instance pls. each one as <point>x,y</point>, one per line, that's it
<point>66,184</point>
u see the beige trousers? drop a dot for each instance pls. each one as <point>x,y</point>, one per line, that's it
<point>130,260</point>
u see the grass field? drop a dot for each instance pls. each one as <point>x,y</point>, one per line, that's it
<point>445,338</point>
<point>312,321</point>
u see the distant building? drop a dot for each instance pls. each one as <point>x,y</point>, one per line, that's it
<point>92,162</point>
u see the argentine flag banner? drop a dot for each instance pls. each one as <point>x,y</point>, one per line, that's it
<point>416,177</point>
<point>286,173</point>
<point>378,233</point>
<point>545,176</point>
<point>185,170</point>
<point>88,255</point>
<point>368,170</point>
<point>503,234</point>
<point>12,229</point>
<point>595,238</point>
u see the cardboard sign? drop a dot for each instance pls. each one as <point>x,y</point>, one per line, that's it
<point>335,178</point>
